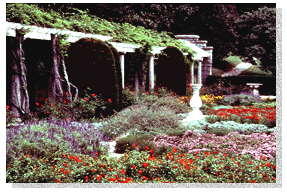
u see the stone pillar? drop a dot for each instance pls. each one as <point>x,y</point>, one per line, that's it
<point>192,73</point>
<point>207,64</point>
<point>122,61</point>
<point>199,77</point>
<point>151,73</point>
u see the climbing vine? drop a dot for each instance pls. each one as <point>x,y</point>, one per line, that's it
<point>81,21</point>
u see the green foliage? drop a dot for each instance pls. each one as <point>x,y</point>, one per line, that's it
<point>40,138</point>
<point>83,22</point>
<point>223,87</point>
<point>240,99</point>
<point>140,118</point>
<point>9,116</point>
<point>134,142</point>
<point>160,97</point>
<point>142,167</point>
<point>225,127</point>
<point>265,104</point>
<point>254,26</point>
<point>87,107</point>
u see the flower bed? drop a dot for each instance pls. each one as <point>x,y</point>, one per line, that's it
<point>259,115</point>
<point>135,167</point>
<point>56,152</point>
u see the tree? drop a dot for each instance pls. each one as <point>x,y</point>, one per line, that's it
<point>257,31</point>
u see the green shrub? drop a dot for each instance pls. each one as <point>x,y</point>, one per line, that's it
<point>240,99</point>
<point>265,104</point>
<point>172,104</point>
<point>224,87</point>
<point>127,143</point>
<point>88,107</point>
<point>38,138</point>
<point>141,118</point>
<point>226,127</point>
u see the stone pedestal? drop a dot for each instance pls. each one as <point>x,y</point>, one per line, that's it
<point>254,87</point>
<point>195,103</point>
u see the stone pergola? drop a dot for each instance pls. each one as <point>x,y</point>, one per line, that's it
<point>203,53</point>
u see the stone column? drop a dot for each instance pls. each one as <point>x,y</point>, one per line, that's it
<point>151,73</point>
<point>122,61</point>
<point>192,73</point>
<point>199,72</point>
<point>207,64</point>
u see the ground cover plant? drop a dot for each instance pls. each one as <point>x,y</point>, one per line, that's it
<point>143,167</point>
<point>156,146</point>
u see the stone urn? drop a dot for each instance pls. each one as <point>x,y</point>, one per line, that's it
<point>195,103</point>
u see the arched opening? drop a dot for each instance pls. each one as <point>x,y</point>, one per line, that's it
<point>170,71</point>
<point>95,64</point>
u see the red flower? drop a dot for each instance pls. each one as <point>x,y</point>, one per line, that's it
<point>86,99</point>
<point>58,181</point>
<point>61,169</point>
<point>274,166</point>
<point>47,111</point>
<point>99,177</point>
<point>94,94</point>
<point>145,164</point>
<point>36,104</point>
<point>71,157</point>
<point>174,150</point>
<point>93,170</point>
<point>64,101</point>
<point>7,107</point>
<point>140,172</point>
<point>134,167</point>
<point>123,172</point>
<point>87,178</point>
<point>109,100</point>
<point>225,155</point>
<point>268,164</point>
<point>146,147</point>
<point>134,146</point>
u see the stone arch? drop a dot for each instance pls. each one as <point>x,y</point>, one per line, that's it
<point>95,64</point>
<point>170,71</point>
